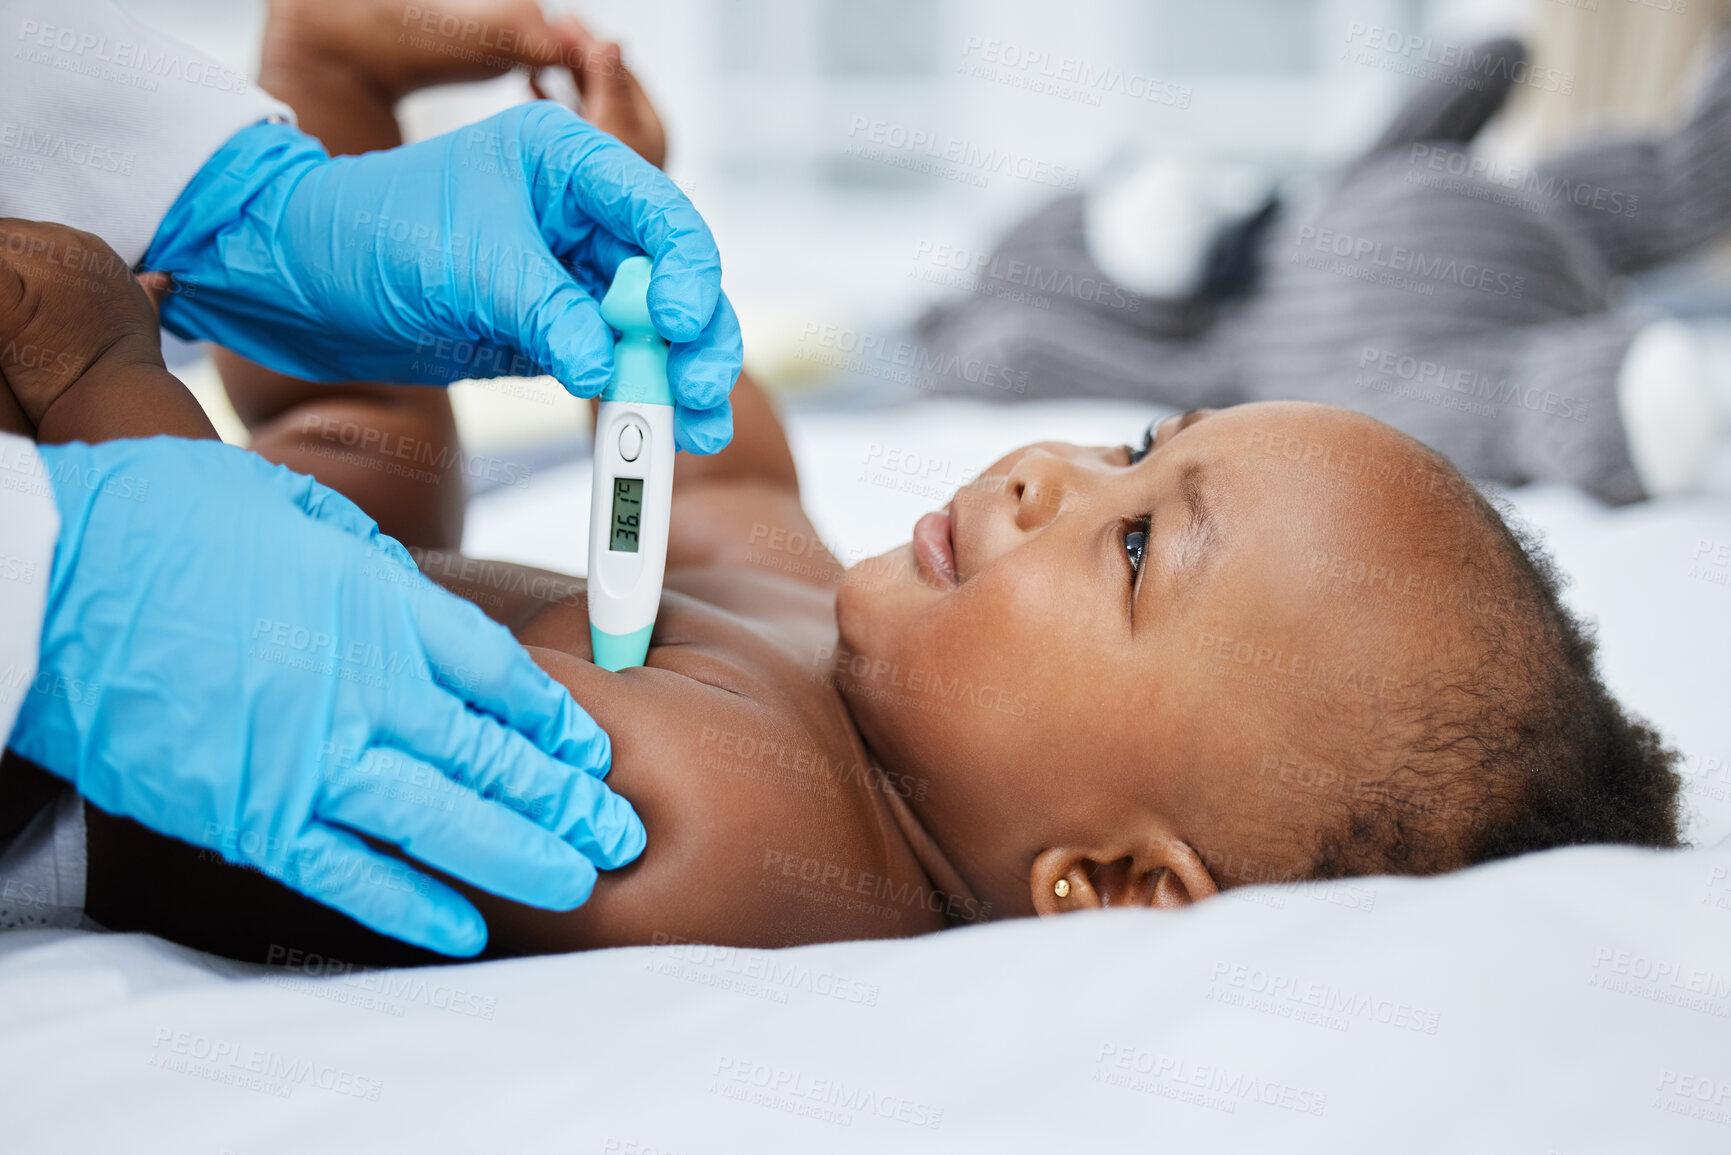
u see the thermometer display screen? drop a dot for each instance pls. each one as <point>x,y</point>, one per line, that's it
<point>627,514</point>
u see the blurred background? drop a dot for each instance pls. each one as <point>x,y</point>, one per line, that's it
<point>816,135</point>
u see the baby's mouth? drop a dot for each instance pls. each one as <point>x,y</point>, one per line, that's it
<point>935,549</point>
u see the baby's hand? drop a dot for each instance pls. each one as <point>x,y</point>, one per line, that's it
<point>613,101</point>
<point>80,349</point>
<point>69,309</point>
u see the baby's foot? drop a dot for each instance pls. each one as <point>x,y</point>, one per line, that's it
<point>612,100</point>
<point>394,50</point>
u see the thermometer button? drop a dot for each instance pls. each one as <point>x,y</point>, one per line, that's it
<point>630,442</point>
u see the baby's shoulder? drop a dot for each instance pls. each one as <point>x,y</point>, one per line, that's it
<point>768,823</point>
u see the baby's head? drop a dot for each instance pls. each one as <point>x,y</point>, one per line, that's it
<point>1282,641</point>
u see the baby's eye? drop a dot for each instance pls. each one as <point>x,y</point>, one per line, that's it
<point>1136,545</point>
<point>1136,455</point>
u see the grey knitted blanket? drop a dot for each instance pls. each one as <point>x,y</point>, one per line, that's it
<point>1469,305</point>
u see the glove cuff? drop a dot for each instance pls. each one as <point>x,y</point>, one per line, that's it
<point>242,187</point>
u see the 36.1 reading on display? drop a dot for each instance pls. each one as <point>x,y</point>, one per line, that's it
<point>627,513</point>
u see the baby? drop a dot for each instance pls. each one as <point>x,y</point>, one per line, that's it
<point>1277,641</point>
<point>1270,642</point>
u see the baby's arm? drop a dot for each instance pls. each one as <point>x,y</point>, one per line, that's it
<point>391,449</point>
<point>342,66</point>
<point>80,350</point>
<point>730,507</point>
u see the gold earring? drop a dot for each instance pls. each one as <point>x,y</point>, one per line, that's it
<point>1061,888</point>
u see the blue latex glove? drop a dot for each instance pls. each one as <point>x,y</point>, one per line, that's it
<point>479,253</point>
<point>234,655</point>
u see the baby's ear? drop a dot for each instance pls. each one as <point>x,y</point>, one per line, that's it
<point>1164,873</point>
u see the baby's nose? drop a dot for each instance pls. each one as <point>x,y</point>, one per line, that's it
<point>1039,481</point>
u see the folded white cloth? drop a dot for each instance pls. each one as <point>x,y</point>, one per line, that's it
<point>42,872</point>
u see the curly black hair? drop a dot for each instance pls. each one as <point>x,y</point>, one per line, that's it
<point>1526,750</point>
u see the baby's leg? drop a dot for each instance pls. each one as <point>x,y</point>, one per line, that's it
<point>1652,200</point>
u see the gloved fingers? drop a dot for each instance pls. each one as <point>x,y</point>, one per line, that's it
<point>326,505</point>
<point>408,803</point>
<point>498,763</point>
<point>703,430</point>
<point>628,197</point>
<point>379,892</point>
<point>561,330</point>
<point>702,372</point>
<point>479,664</point>
<point>600,255</point>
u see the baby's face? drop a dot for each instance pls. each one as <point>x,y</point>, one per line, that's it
<point>1094,640</point>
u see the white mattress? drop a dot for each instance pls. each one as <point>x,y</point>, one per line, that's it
<point>1573,1001</point>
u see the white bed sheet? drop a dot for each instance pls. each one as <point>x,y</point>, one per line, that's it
<point>1567,1002</point>
<point>1577,1001</point>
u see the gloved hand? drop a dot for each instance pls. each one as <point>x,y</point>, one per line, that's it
<point>479,253</point>
<point>233,655</point>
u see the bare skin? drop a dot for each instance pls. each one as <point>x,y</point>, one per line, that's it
<point>343,67</point>
<point>1069,694</point>
<point>787,805</point>
<point>728,676</point>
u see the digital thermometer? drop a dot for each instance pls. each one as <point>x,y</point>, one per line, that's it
<point>633,499</point>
